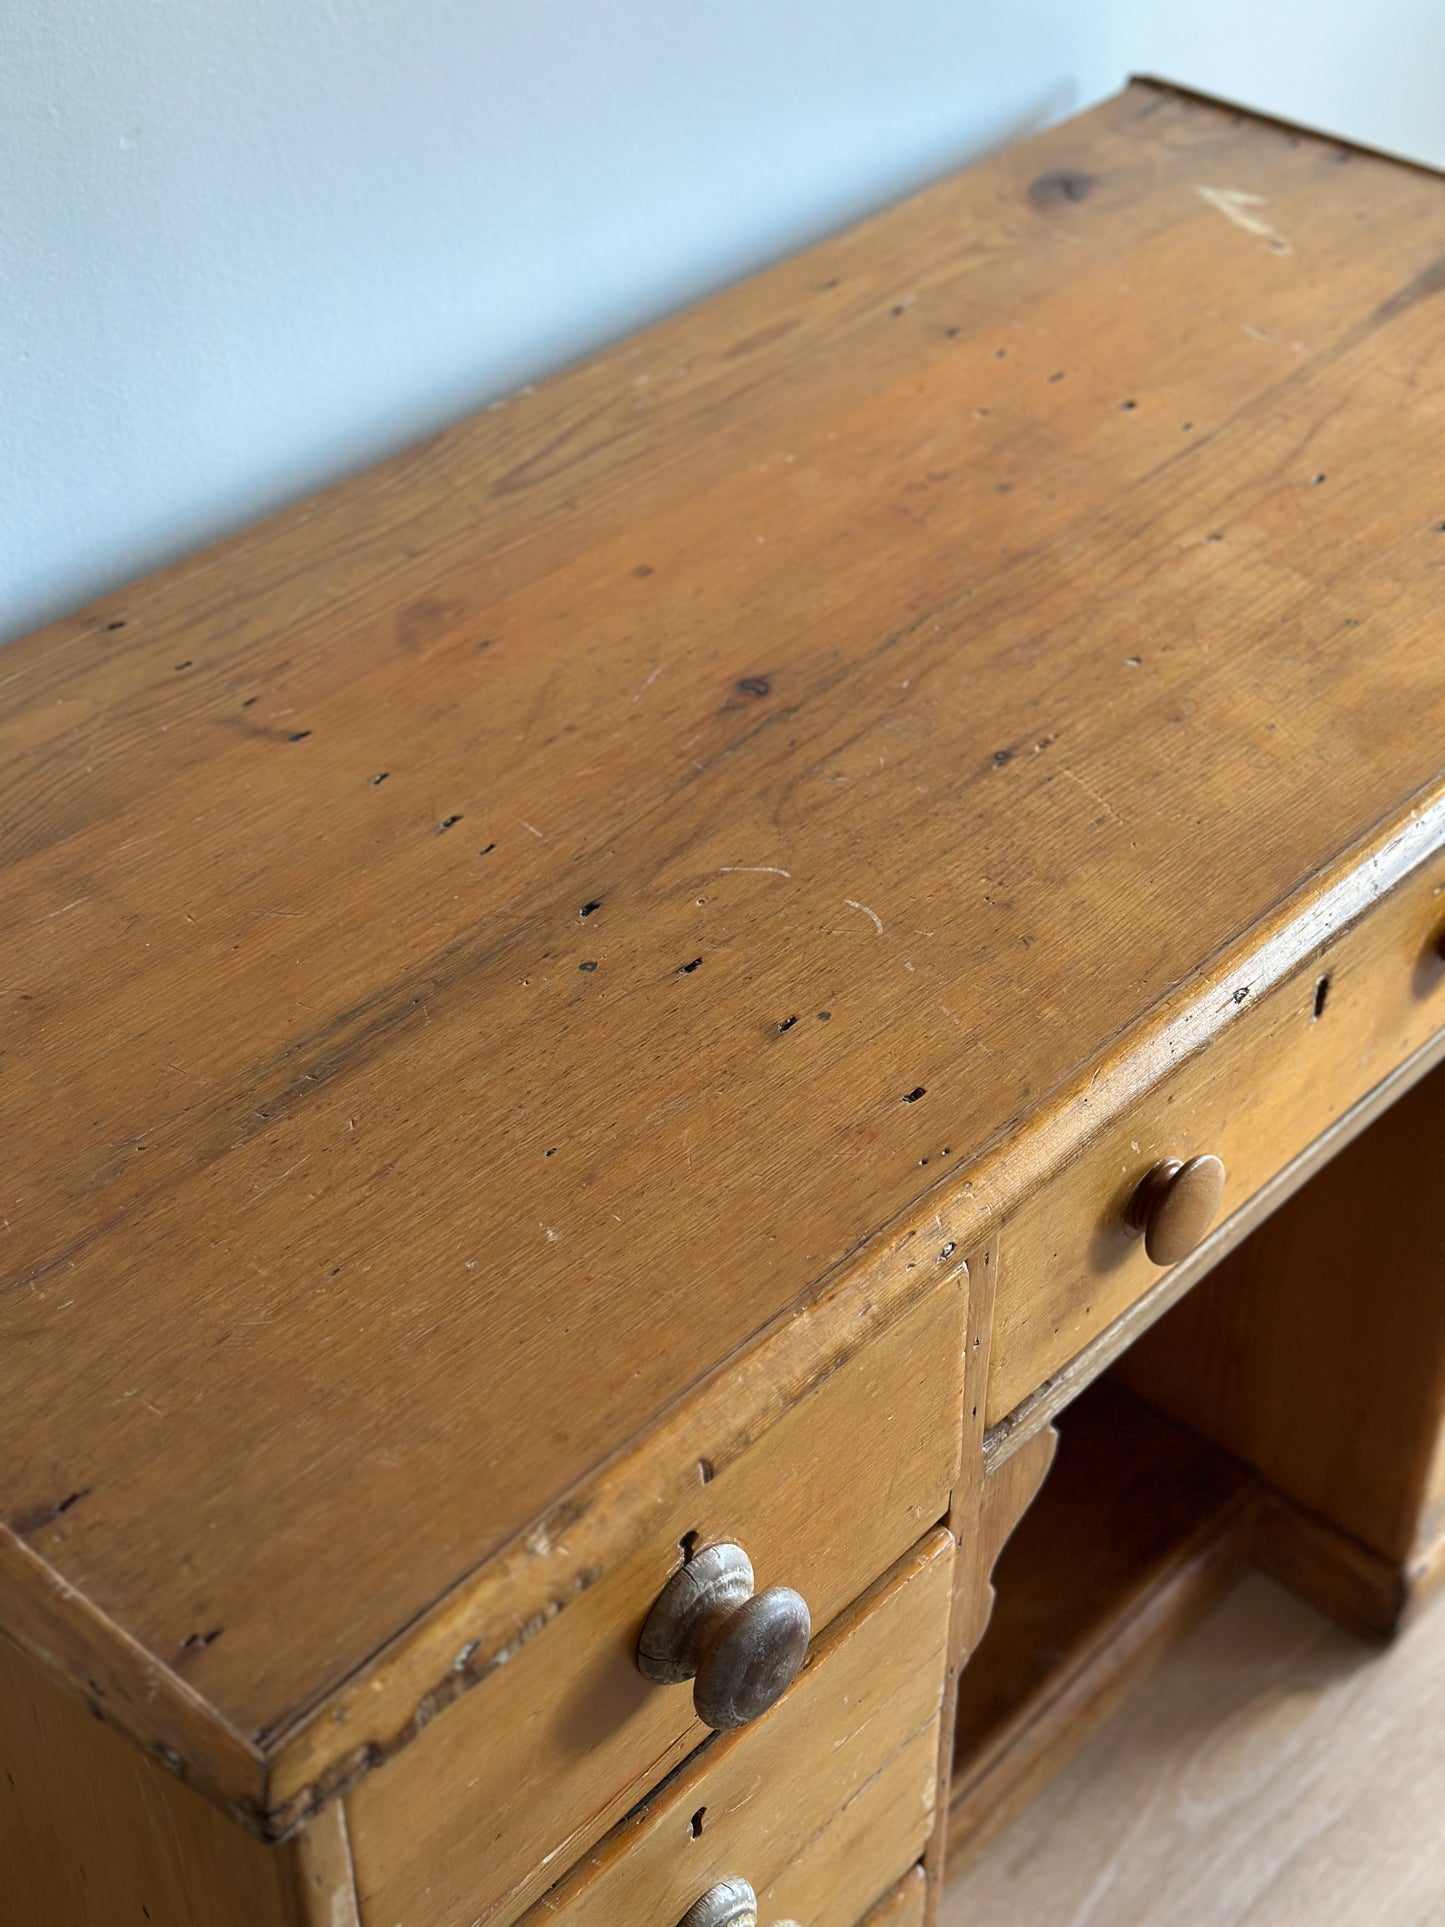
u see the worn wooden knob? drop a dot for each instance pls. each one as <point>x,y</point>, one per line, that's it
<point>731,1903</point>
<point>742,1649</point>
<point>1174,1205</point>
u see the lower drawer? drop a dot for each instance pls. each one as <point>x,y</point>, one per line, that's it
<point>904,1906</point>
<point>822,1805</point>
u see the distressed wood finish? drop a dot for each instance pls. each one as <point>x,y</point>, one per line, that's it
<point>526,1774</point>
<point>904,1907</point>
<point>93,1834</point>
<point>796,1803</point>
<point>1007,1492</point>
<point>1137,1530</point>
<point>322,1875</point>
<point>522,967</point>
<point>1057,1391</point>
<point>968,1610</point>
<point>1362,990</point>
<point>988,1502</point>
<point>1002,1495</point>
<point>1309,1370</point>
<point>1316,1354</point>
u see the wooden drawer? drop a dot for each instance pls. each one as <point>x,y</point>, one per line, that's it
<point>518,1778</point>
<point>904,1906</point>
<point>822,1805</point>
<point>1281,1068</point>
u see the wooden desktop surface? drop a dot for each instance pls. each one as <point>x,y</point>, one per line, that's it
<point>483,945</point>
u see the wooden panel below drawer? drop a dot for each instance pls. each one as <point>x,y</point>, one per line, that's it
<point>822,1804</point>
<point>1272,1078</point>
<point>505,1790</point>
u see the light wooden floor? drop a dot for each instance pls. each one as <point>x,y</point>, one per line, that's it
<point>1273,1772</point>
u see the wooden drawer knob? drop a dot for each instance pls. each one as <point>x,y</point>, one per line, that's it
<point>742,1649</point>
<point>1174,1205</point>
<point>731,1903</point>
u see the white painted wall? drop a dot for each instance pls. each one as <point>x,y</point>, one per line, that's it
<point>249,245</point>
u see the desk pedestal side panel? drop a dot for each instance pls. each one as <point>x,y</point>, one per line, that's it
<point>94,1834</point>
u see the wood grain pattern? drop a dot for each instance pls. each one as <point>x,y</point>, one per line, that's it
<point>464,988</point>
<point>789,1803</point>
<point>320,1872</point>
<point>860,1853</point>
<point>988,1502</point>
<point>1050,1398</point>
<point>1008,1492</point>
<point>1297,1055</point>
<point>969,1607</point>
<point>904,1906</point>
<point>987,1509</point>
<point>1368,1595</point>
<point>1316,1351</point>
<point>1272,1770</point>
<point>1138,1529</point>
<point>526,1773</point>
<point>93,1834</point>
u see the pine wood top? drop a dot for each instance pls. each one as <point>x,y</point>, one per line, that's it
<point>485,943</point>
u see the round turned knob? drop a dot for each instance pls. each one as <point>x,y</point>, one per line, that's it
<point>742,1649</point>
<point>1174,1205</point>
<point>731,1903</point>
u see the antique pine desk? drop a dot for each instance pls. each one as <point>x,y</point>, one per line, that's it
<point>680,968</point>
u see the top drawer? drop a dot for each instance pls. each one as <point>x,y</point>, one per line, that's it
<point>821,1807</point>
<point>520,1777</point>
<point>1274,1078</point>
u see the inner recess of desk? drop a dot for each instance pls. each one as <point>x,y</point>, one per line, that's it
<point>1285,1414</point>
<point>1139,1527</point>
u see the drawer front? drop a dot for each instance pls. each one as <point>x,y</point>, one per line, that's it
<point>822,1805</point>
<point>1276,1076</point>
<point>505,1790</point>
<point>904,1907</point>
